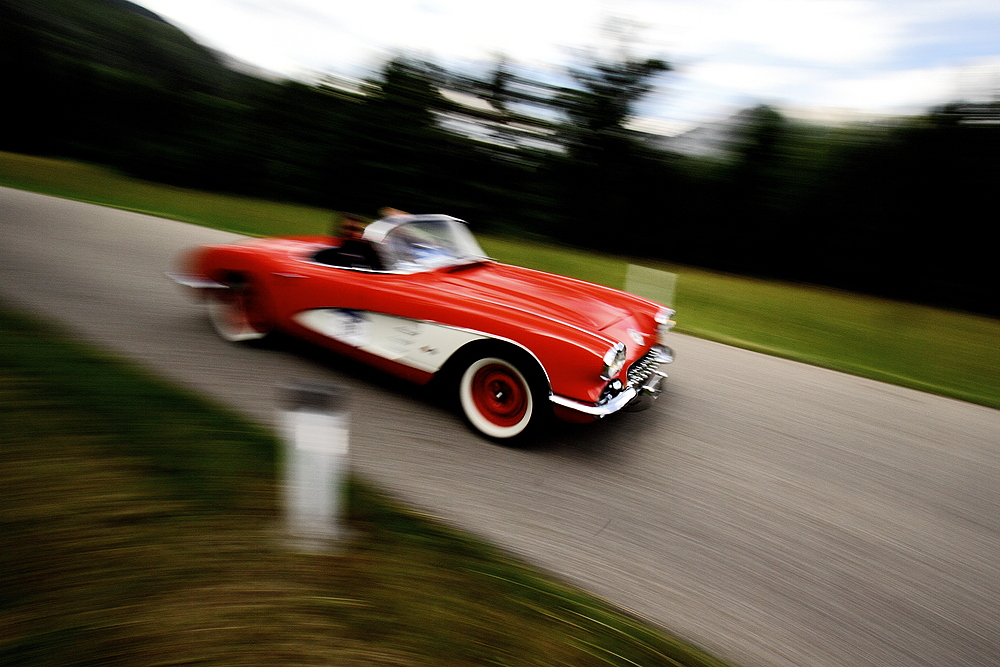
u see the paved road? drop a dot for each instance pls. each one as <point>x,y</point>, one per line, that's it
<point>772,512</point>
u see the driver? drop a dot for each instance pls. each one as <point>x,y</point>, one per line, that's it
<point>354,251</point>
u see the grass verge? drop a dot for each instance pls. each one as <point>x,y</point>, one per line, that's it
<point>940,351</point>
<point>138,527</point>
<point>99,185</point>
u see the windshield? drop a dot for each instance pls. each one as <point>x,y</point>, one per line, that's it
<point>423,243</point>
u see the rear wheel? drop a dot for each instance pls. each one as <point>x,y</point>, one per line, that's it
<point>237,312</point>
<point>496,398</point>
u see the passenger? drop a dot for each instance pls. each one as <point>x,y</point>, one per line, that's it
<point>351,228</point>
<point>386,211</point>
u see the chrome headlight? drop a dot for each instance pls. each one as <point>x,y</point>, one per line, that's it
<point>664,323</point>
<point>614,359</point>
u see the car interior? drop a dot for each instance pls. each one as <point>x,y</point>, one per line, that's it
<point>352,254</point>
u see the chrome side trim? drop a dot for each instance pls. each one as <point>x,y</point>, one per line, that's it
<point>196,282</point>
<point>603,410</point>
<point>310,260</point>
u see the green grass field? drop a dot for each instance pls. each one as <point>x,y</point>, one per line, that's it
<point>944,352</point>
<point>139,526</point>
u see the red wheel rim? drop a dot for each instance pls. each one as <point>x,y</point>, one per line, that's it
<point>242,310</point>
<point>499,395</point>
<point>236,310</point>
<point>248,303</point>
<point>236,315</point>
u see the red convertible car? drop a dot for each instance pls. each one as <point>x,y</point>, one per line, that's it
<point>416,296</point>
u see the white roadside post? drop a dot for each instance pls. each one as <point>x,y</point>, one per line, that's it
<point>315,429</point>
<point>652,284</point>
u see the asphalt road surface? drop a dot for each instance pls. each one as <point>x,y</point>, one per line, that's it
<point>772,512</point>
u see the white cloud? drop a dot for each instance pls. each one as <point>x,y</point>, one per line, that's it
<point>664,126</point>
<point>294,35</point>
<point>892,90</point>
<point>828,52</point>
<point>826,32</point>
<point>914,89</point>
<point>935,11</point>
<point>748,78</point>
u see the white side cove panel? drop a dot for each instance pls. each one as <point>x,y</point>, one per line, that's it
<point>422,345</point>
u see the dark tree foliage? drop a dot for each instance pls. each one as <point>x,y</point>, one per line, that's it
<point>902,211</point>
<point>754,194</point>
<point>402,153</point>
<point>906,210</point>
<point>93,81</point>
<point>606,176</point>
<point>605,99</point>
<point>913,210</point>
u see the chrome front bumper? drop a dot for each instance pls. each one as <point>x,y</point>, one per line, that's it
<point>645,384</point>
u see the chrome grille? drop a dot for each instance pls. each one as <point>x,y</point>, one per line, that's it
<point>644,366</point>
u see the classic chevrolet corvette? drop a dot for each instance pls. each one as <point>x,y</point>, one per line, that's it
<point>416,296</point>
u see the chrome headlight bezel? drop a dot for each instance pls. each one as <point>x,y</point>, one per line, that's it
<point>614,361</point>
<point>664,323</point>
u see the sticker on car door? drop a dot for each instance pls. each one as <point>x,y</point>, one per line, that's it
<point>353,327</point>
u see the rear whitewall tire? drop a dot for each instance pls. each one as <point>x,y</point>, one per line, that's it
<point>231,311</point>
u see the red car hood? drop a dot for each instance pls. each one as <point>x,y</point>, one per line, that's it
<point>574,302</point>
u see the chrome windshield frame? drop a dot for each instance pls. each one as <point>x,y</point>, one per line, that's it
<point>380,232</point>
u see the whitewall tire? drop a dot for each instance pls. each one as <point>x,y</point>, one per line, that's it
<point>496,398</point>
<point>235,313</point>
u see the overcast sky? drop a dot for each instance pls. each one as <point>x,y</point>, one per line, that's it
<point>882,56</point>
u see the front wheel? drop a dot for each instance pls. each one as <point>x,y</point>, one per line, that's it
<point>236,312</point>
<point>496,398</point>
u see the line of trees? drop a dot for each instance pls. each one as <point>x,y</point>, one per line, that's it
<point>904,210</point>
